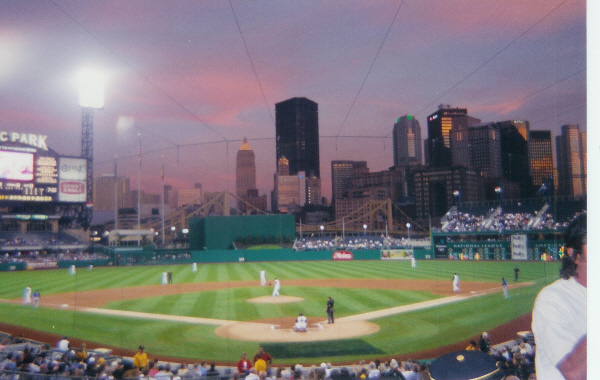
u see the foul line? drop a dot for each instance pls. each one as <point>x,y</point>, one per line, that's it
<point>223,322</point>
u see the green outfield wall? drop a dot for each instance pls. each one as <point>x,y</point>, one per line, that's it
<point>220,232</point>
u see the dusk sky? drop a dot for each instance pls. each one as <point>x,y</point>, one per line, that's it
<point>196,77</point>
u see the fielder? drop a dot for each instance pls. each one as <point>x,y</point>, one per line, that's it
<point>276,286</point>
<point>413,262</point>
<point>263,277</point>
<point>36,298</point>
<point>504,287</point>
<point>27,295</point>
<point>194,267</point>
<point>163,279</point>
<point>455,282</point>
<point>72,270</point>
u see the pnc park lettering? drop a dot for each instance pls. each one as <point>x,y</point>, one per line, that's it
<point>39,141</point>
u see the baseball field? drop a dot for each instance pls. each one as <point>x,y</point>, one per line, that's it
<point>382,308</point>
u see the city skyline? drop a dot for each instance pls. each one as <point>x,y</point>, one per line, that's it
<point>194,79</point>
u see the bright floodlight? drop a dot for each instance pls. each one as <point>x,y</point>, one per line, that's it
<point>91,88</point>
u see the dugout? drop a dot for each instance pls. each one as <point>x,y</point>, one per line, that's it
<point>220,232</point>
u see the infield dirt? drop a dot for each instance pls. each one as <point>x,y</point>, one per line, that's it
<point>279,329</point>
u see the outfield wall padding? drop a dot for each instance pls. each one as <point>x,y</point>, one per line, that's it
<point>7,267</point>
<point>258,255</point>
<point>219,232</point>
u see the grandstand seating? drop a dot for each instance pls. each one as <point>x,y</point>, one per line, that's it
<point>21,358</point>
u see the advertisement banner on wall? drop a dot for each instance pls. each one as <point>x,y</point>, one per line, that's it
<point>72,179</point>
<point>397,254</point>
<point>342,255</point>
<point>518,247</point>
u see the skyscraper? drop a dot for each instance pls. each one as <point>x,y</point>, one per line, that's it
<point>245,170</point>
<point>439,124</point>
<point>342,172</point>
<point>478,148</point>
<point>105,188</point>
<point>297,135</point>
<point>407,142</point>
<point>570,160</point>
<point>541,164</point>
<point>514,135</point>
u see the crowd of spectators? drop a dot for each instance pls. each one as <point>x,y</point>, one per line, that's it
<point>318,243</point>
<point>498,221</point>
<point>36,239</point>
<point>48,257</point>
<point>19,356</point>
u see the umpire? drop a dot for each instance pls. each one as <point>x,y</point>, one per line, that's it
<point>329,310</point>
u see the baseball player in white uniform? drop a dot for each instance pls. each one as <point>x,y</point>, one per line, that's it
<point>27,295</point>
<point>455,282</point>
<point>263,277</point>
<point>300,325</point>
<point>276,286</point>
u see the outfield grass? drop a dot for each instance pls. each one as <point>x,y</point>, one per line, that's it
<point>398,334</point>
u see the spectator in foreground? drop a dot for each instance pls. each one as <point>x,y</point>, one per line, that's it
<point>140,360</point>
<point>560,311</point>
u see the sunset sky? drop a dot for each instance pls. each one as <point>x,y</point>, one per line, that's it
<point>194,78</point>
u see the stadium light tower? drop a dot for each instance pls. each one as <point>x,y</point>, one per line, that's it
<point>91,96</point>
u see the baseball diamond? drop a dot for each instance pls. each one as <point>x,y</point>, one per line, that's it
<point>383,309</point>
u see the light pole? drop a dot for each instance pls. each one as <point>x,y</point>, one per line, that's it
<point>185,231</point>
<point>322,228</point>
<point>91,96</point>
<point>408,228</point>
<point>365,228</point>
<point>498,191</point>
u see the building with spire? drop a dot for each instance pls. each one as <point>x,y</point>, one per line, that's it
<point>245,181</point>
<point>245,170</point>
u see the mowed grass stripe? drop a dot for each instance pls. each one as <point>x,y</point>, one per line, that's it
<point>58,281</point>
<point>408,332</point>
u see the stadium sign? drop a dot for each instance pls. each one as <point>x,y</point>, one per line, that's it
<point>30,172</point>
<point>38,141</point>
<point>342,255</point>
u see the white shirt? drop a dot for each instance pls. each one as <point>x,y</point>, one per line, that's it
<point>559,323</point>
<point>63,344</point>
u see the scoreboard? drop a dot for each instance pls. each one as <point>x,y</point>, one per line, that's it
<point>34,173</point>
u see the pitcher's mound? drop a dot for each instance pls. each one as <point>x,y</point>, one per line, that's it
<point>266,332</point>
<point>278,299</point>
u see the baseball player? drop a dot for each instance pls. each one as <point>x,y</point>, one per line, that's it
<point>276,286</point>
<point>300,325</point>
<point>504,287</point>
<point>36,298</point>
<point>27,295</point>
<point>263,277</point>
<point>455,282</point>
